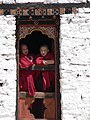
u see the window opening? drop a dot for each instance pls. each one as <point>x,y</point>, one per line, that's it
<point>44,101</point>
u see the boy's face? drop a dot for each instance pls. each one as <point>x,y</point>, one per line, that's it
<point>24,49</point>
<point>44,50</point>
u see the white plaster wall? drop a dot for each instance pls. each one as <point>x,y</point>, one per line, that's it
<point>45,1</point>
<point>7,68</point>
<point>75,66</point>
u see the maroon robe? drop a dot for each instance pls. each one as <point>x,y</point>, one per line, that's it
<point>48,77</point>
<point>26,77</point>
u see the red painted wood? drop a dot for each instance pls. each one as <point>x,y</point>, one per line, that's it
<point>50,111</point>
<point>23,112</point>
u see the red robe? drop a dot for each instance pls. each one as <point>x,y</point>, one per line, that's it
<point>48,77</point>
<point>26,77</point>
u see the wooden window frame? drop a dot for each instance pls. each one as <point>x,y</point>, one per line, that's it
<point>57,74</point>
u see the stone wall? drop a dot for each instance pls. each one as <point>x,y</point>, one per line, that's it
<point>44,1</point>
<point>7,68</point>
<point>75,66</point>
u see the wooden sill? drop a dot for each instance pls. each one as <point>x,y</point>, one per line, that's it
<point>38,67</point>
<point>37,95</point>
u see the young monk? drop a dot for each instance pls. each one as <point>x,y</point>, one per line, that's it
<point>26,77</point>
<point>48,77</point>
<point>44,80</point>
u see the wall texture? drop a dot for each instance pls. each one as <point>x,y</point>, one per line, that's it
<point>75,66</point>
<point>7,68</point>
<point>45,1</point>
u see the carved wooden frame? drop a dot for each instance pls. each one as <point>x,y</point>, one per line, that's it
<point>55,24</point>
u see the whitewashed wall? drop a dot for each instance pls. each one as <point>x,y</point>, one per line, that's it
<point>45,1</point>
<point>75,66</point>
<point>7,68</point>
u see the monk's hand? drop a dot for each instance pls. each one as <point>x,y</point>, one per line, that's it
<point>45,62</point>
<point>31,58</point>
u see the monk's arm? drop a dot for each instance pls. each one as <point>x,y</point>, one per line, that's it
<point>25,63</point>
<point>48,62</point>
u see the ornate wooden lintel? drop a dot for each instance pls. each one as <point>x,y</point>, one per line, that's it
<point>33,9</point>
